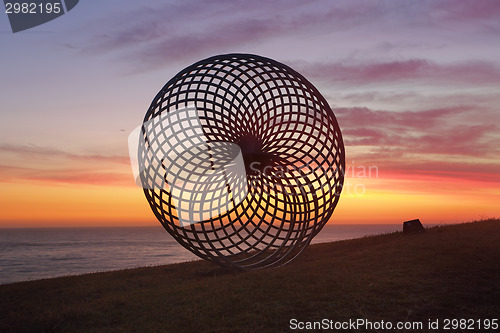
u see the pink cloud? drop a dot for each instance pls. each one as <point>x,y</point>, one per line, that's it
<point>157,36</point>
<point>65,176</point>
<point>45,164</point>
<point>29,152</point>
<point>467,10</point>
<point>459,172</point>
<point>414,70</point>
<point>363,116</point>
<point>438,131</point>
<point>193,29</point>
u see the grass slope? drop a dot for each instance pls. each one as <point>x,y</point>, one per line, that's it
<point>448,272</point>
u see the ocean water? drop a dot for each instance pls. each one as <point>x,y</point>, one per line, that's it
<point>30,254</point>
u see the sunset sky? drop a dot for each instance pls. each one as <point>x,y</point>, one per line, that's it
<point>414,86</point>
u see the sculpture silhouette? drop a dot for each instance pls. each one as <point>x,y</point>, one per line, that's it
<point>249,111</point>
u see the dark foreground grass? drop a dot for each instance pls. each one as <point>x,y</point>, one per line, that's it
<point>448,272</point>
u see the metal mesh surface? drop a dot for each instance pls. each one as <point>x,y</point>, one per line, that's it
<point>292,151</point>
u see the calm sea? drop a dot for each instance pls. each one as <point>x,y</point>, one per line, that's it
<point>30,254</point>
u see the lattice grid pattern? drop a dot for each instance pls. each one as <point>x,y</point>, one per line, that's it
<point>292,150</point>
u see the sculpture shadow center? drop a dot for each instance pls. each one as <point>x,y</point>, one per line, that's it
<point>256,159</point>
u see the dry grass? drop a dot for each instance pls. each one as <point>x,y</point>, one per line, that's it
<point>448,272</point>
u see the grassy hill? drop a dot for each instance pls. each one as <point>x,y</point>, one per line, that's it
<point>450,272</point>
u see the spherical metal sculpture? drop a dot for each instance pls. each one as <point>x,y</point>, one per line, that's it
<point>242,160</point>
